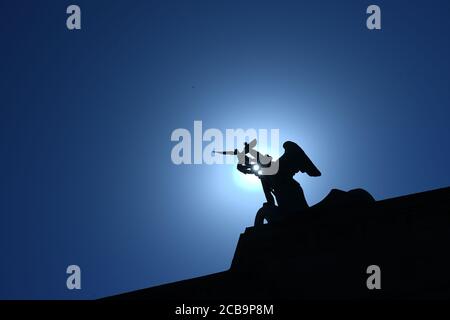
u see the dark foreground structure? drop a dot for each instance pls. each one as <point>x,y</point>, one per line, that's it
<point>324,253</point>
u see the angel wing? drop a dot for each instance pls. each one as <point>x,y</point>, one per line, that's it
<point>295,159</point>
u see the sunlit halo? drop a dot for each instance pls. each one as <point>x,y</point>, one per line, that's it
<point>248,182</point>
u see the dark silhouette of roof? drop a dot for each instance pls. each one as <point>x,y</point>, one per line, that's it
<point>324,252</point>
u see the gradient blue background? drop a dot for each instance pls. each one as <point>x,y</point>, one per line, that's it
<point>86,176</point>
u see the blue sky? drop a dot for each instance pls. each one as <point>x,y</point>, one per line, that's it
<point>86,119</point>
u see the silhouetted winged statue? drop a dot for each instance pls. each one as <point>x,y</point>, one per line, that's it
<point>277,178</point>
<point>283,187</point>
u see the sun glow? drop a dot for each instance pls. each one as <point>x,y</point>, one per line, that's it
<point>248,182</point>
